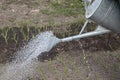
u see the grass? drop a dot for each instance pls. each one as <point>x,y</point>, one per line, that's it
<point>15,38</point>
<point>64,7</point>
<point>5,35</point>
<point>54,7</point>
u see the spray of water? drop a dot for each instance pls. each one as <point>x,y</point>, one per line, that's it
<point>41,43</point>
<point>24,63</point>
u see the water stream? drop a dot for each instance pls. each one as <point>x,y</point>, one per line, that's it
<point>24,64</point>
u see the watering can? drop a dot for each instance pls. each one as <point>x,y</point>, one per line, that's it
<point>106,13</point>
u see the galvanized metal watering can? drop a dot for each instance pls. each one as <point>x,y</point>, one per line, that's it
<point>106,13</point>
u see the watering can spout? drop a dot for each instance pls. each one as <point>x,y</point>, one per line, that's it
<point>100,30</point>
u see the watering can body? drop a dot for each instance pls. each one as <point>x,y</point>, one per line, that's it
<point>105,13</point>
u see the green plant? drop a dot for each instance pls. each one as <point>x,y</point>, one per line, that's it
<point>5,35</point>
<point>15,38</point>
<point>28,30</point>
<point>33,36</point>
<point>25,36</point>
<point>65,69</point>
<point>39,29</point>
<point>36,29</point>
<point>66,7</point>
<point>46,27</point>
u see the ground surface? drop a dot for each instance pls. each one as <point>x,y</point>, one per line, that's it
<point>95,58</point>
<point>37,12</point>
